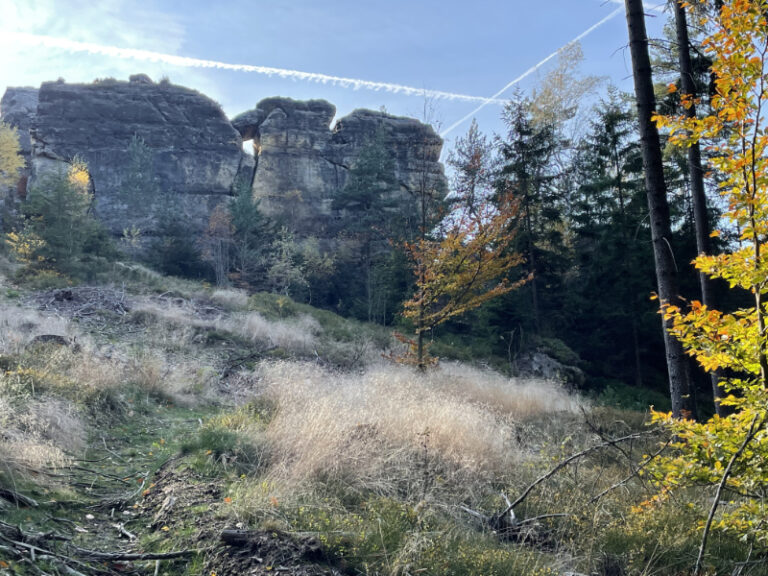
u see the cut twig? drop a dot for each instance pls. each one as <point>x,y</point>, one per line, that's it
<point>123,532</point>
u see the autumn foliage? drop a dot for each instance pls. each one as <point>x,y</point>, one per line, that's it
<point>730,452</point>
<point>465,266</point>
<point>11,161</point>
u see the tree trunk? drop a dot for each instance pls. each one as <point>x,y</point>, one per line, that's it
<point>656,191</point>
<point>698,195</point>
<point>532,268</point>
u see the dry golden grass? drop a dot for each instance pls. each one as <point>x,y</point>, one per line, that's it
<point>295,334</point>
<point>20,325</point>
<point>44,432</point>
<point>179,313</point>
<point>392,425</point>
<point>230,298</point>
<point>187,381</point>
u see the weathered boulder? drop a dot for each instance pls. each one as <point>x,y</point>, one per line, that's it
<point>302,163</point>
<point>196,151</point>
<point>414,146</point>
<point>538,364</point>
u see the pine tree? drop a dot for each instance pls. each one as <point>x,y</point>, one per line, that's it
<point>529,174</point>
<point>607,218</point>
<point>252,236</point>
<point>373,209</point>
<point>60,232</point>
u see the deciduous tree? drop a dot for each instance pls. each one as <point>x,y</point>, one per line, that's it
<point>463,266</point>
<point>731,453</point>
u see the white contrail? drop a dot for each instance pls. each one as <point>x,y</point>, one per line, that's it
<point>646,5</point>
<point>146,55</point>
<point>531,70</point>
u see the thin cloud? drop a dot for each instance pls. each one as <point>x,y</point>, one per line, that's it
<point>531,70</point>
<point>183,61</point>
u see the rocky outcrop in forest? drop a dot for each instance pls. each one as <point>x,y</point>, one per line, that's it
<point>300,161</point>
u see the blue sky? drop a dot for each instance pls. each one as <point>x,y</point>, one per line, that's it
<point>468,48</point>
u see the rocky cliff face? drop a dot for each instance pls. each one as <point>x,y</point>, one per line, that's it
<point>196,152</point>
<point>302,163</point>
<point>299,164</point>
<point>18,108</point>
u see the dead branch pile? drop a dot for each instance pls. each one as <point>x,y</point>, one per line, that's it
<point>83,301</point>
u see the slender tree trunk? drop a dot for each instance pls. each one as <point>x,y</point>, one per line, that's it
<point>636,350</point>
<point>532,270</point>
<point>629,296</point>
<point>421,362</point>
<point>698,195</point>
<point>656,191</point>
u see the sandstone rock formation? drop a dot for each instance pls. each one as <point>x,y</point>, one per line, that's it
<point>196,152</point>
<point>302,162</point>
<point>299,164</point>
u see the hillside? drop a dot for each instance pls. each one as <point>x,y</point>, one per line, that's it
<point>160,426</point>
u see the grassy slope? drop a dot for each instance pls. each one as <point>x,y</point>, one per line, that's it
<point>180,411</point>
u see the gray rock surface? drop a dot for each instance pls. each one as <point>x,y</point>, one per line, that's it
<point>196,151</point>
<point>539,364</point>
<point>302,163</point>
<point>18,108</point>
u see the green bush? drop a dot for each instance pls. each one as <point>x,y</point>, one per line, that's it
<point>59,234</point>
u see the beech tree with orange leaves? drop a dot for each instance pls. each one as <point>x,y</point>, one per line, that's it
<point>466,261</point>
<point>463,268</point>
<point>729,453</point>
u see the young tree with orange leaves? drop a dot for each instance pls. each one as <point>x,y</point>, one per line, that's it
<point>465,261</point>
<point>463,268</point>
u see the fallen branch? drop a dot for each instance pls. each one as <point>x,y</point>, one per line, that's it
<point>102,474</point>
<point>16,498</point>
<point>86,554</point>
<point>607,443</point>
<point>634,473</point>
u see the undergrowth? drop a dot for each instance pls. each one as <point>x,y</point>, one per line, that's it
<point>258,413</point>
